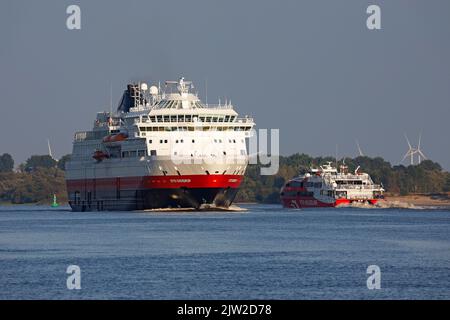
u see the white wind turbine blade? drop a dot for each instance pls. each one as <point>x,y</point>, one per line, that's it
<point>420,138</point>
<point>407,154</point>
<point>361,154</point>
<point>407,140</point>
<point>421,154</point>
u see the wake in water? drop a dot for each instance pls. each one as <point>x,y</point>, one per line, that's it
<point>203,208</point>
<point>385,204</point>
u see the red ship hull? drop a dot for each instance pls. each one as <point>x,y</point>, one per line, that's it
<point>152,192</point>
<point>297,202</point>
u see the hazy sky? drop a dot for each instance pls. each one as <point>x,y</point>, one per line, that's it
<point>310,68</point>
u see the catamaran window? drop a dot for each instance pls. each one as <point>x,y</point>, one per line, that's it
<point>181,118</point>
<point>160,141</point>
<point>193,141</point>
<point>152,118</point>
<point>165,141</point>
<point>166,119</point>
<point>295,184</point>
<point>153,152</point>
<point>132,154</point>
<point>141,153</point>
<point>227,118</point>
<point>150,141</point>
<point>208,119</point>
<point>173,118</point>
<point>202,119</point>
<point>188,118</point>
<point>214,119</point>
<point>220,119</point>
<point>159,118</point>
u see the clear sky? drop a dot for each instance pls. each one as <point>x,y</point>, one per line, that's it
<point>310,68</point>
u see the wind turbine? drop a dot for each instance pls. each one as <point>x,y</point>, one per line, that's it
<point>418,151</point>
<point>411,151</point>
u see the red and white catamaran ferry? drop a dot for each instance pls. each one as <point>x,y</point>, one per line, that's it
<point>160,149</point>
<point>328,187</point>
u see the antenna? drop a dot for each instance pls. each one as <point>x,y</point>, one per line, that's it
<point>336,159</point>
<point>206,90</point>
<point>110,99</point>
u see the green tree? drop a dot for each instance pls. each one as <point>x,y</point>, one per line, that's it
<point>38,161</point>
<point>6,163</point>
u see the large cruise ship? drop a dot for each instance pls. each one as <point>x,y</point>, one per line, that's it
<point>327,187</point>
<point>162,148</point>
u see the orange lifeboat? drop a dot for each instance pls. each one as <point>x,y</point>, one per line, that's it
<point>118,137</point>
<point>115,137</point>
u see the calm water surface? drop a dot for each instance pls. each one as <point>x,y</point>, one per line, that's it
<point>263,253</point>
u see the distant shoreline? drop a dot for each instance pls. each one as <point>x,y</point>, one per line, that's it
<point>423,200</point>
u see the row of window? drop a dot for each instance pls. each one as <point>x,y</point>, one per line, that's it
<point>147,129</point>
<point>176,104</point>
<point>133,154</point>
<point>193,141</point>
<point>301,184</point>
<point>297,194</point>
<point>190,118</point>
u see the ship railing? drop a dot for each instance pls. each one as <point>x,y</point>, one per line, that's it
<point>233,123</point>
<point>358,187</point>
<point>219,106</point>
<point>90,135</point>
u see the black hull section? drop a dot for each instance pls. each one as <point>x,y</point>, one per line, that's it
<point>158,199</point>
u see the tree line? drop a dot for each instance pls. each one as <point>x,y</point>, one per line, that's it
<point>40,176</point>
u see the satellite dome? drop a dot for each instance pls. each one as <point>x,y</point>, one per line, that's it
<point>153,90</point>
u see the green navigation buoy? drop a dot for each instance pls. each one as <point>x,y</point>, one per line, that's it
<point>54,204</point>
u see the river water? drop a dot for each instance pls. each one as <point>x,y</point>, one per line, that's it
<point>265,252</point>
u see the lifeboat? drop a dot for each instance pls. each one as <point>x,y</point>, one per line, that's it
<point>115,137</point>
<point>100,155</point>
